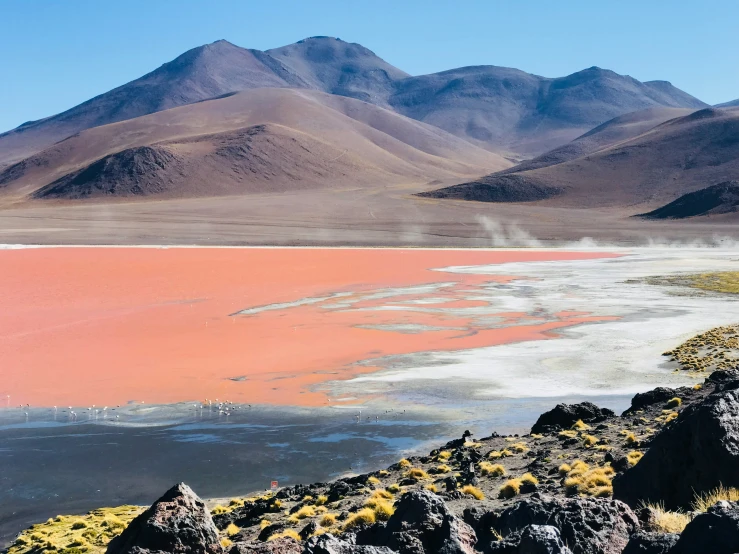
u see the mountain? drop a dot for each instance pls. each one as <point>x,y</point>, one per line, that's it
<point>337,67</point>
<point>731,104</point>
<point>497,108</point>
<point>198,74</point>
<point>714,200</point>
<point>261,140</point>
<point>507,109</point>
<point>677,157</point>
<point>609,133</point>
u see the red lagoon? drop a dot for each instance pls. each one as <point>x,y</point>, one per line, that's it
<point>105,326</point>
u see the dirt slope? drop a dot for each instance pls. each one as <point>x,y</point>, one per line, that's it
<point>258,140</point>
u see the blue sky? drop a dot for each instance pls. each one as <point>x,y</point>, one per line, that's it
<point>56,54</point>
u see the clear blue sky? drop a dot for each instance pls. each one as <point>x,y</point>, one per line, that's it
<point>56,54</point>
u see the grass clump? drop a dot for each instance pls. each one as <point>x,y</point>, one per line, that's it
<point>321,500</point>
<point>675,402</point>
<point>584,480</point>
<point>511,488</point>
<point>226,542</point>
<point>431,487</point>
<point>568,434</point>
<point>589,440</point>
<point>373,480</point>
<point>493,470</point>
<point>365,516</point>
<point>634,456</point>
<point>383,473</point>
<point>417,474</point>
<point>327,520</point>
<point>473,491</point>
<point>704,501</point>
<point>497,454</point>
<point>444,455</point>
<point>303,513</point>
<point>264,523</point>
<point>519,447</point>
<point>289,533</point>
<point>528,479</point>
<point>438,470</point>
<point>404,463</point>
<point>665,521</point>
<point>394,488</point>
<point>382,508</point>
<point>580,425</point>
<point>382,495</point>
<point>232,529</point>
<point>697,386</point>
<point>564,469</point>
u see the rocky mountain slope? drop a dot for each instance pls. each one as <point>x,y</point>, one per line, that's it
<point>722,198</point>
<point>499,108</point>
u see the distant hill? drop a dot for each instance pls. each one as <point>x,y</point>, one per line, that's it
<point>731,104</point>
<point>262,140</point>
<point>674,158</point>
<point>611,132</point>
<point>500,109</point>
<point>717,199</point>
<point>509,110</point>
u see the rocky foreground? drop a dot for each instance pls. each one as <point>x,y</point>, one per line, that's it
<point>657,479</point>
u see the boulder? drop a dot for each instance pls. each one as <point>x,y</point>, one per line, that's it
<point>642,542</point>
<point>715,531</point>
<point>586,525</point>
<point>283,545</point>
<point>422,523</point>
<point>541,539</point>
<point>660,395</point>
<point>178,523</point>
<point>696,453</point>
<point>563,416</point>
<point>329,544</point>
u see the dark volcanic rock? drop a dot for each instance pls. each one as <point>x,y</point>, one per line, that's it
<point>247,514</point>
<point>698,452</point>
<point>714,532</point>
<point>587,525</point>
<point>654,396</point>
<point>329,544</point>
<point>178,523</point>
<point>716,199</point>
<point>422,524</point>
<point>283,545</point>
<point>562,416</point>
<point>650,543</point>
<point>542,539</point>
<point>496,188</point>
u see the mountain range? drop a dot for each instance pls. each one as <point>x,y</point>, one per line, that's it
<point>225,120</point>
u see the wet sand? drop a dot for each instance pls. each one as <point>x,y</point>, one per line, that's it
<point>107,326</point>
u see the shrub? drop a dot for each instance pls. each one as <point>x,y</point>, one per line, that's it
<point>494,470</point>
<point>291,533</point>
<point>404,463</point>
<point>232,529</point>
<point>704,501</point>
<point>510,489</point>
<point>327,520</point>
<point>365,516</point>
<point>634,456</point>
<point>473,491</point>
<point>674,402</point>
<point>664,521</point>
